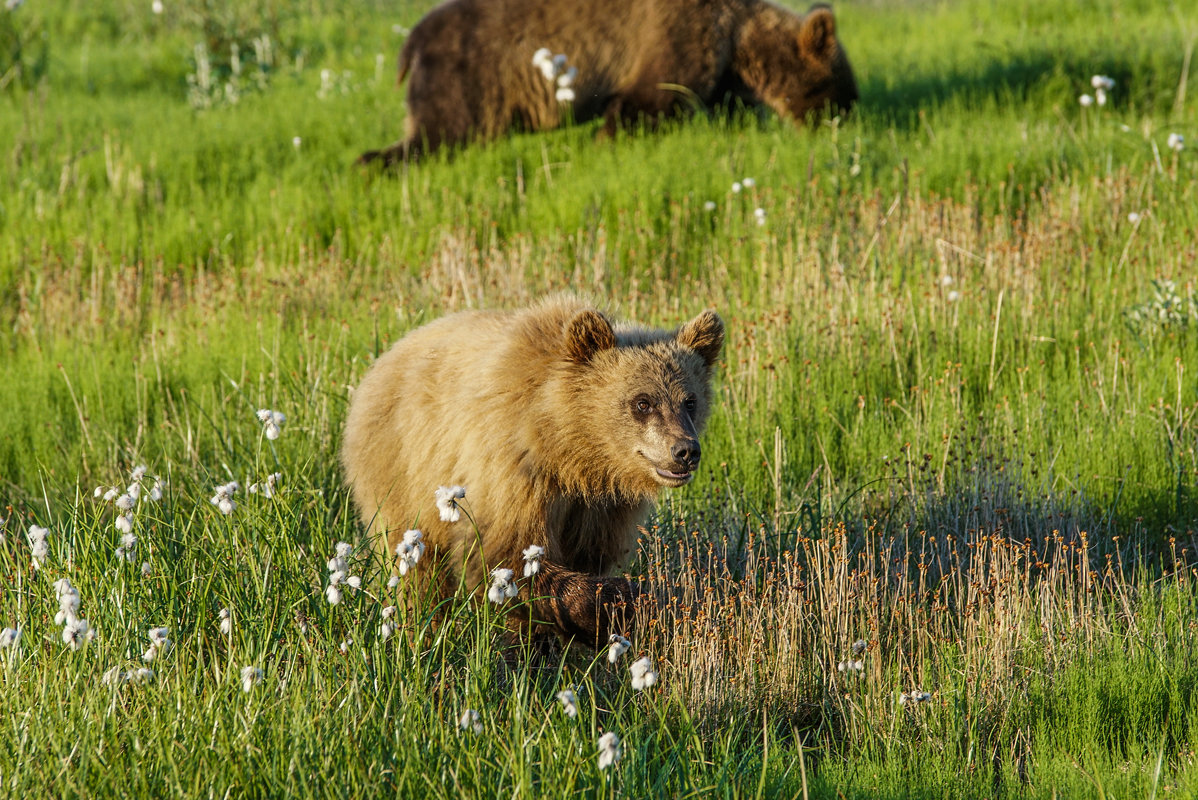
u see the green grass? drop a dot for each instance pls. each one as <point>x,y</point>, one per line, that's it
<point>952,421</point>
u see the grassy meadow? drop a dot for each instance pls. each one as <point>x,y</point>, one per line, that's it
<point>942,543</point>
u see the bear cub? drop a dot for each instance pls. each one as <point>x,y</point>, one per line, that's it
<point>562,426</point>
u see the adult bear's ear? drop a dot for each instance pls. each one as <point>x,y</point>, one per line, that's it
<point>817,36</point>
<point>704,334</point>
<point>588,333</point>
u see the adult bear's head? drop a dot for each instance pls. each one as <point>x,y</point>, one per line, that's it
<point>796,64</point>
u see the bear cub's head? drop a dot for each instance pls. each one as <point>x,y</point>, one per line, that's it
<point>648,394</point>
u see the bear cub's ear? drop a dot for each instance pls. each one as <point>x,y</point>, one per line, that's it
<point>817,36</point>
<point>704,334</point>
<point>588,333</point>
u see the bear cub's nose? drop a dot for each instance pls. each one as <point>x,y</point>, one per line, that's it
<point>686,451</point>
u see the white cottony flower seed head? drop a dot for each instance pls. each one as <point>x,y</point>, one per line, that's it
<point>250,677</point>
<point>736,187</point>
<point>1133,217</point>
<point>617,646</point>
<point>337,564</point>
<point>222,497</point>
<point>156,7</point>
<point>1176,142</point>
<point>114,677</point>
<point>138,473</point>
<point>911,698</point>
<point>385,631</point>
<point>337,578</point>
<point>393,582</point>
<point>643,674</point>
<point>409,551</point>
<point>63,586</point>
<point>709,206</point>
<point>38,546</point>
<point>112,494</point>
<point>470,720</point>
<point>567,78</point>
<point>748,183</point>
<point>68,605</point>
<point>10,638</point>
<point>1085,100</point>
<point>146,569</point>
<point>124,524</point>
<point>343,549</point>
<point>564,95</point>
<point>333,594</point>
<point>156,490</point>
<point>560,63</point>
<point>77,633</point>
<point>447,502</point>
<point>226,621</point>
<point>125,502</point>
<point>859,646</point>
<point>345,645</point>
<point>1100,97</point>
<point>265,415</point>
<point>569,702</point>
<point>389,612</point>
<point>143,675</point>
<point>541,56</point>
<point>353,582</point>
<point>532,559</point>
<point>1102,83</point>
<point>610,750</point>
<point>502,586</point>
<point>267,487</point>
<point>160,637</point>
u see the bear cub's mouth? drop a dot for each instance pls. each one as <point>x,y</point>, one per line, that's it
<point>675,478</point>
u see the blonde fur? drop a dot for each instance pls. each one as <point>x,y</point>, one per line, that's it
<point>536,413</point>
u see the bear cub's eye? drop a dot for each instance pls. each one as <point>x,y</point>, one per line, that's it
<point>690,403</point>
<point>642,405</point>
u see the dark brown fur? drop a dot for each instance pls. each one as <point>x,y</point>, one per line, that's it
<point>563,428</point>
<point>470,73</point>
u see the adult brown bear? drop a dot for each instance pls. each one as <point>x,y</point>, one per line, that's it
<point>561,426</point>
<point>477,68</point>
